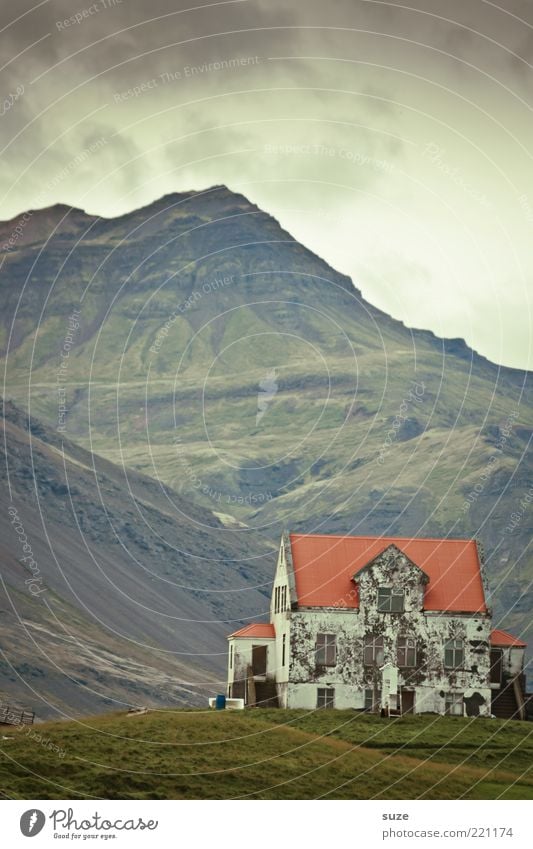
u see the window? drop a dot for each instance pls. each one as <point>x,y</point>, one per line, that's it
<point>373,650</point>
<point>280,599</point>
<point>231,656</point>
<point>325,697</point>
<point>372,699</point>
<point>326,650</point>
<point>390,600</point>
<point>259,660</point>
<point>283,648</point>
<point>406,651</point>
<point>496,662</point>
<point>453,704</point>
<point>454,654</point>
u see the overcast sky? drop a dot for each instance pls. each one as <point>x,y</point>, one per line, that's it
<point>394,140</point>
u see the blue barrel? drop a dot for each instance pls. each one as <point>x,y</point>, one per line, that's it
<point>220,702</point>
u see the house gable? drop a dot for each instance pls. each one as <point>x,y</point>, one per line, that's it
<point>393,565</point>
<point>283,596</point>
<point>289,565</point>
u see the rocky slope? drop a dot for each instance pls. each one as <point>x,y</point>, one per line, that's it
<point>115,591</point>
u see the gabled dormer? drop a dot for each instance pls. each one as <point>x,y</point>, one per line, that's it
<point>391,583</point>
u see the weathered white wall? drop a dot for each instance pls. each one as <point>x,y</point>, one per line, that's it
<point>281,622</point>
<point>429,678</point>
<point>283,694</point>
<point>242,656</point>
<point>513,661</point>
<point>305,696</point>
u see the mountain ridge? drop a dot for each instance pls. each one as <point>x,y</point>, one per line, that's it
<point>179,325</point>
<point>160,205</point>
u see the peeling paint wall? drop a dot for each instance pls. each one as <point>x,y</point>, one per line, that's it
<point>306,676</point>
<point>429,679</point>
<point>512,661</point>
<point>242,660</point>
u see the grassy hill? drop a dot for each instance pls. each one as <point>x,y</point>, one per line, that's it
<point>267,754</point>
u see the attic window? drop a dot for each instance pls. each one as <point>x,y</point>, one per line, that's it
<point>280,599</point>
<point>390,600</point>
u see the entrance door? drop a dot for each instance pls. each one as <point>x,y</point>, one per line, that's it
<point>259,660</point>
<point>408,701</point>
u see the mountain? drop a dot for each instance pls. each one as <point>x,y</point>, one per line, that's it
<point>115,590</point>
<point>196,341</point>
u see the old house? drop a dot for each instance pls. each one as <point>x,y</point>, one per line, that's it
<point>378,624</point>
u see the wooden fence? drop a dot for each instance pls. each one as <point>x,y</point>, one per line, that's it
<point>15,716</point>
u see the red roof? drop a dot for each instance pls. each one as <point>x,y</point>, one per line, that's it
<point>262,630</point>
<point>324,566</point>
<point>502,638</point>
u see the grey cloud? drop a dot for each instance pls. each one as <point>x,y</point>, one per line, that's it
<point>101,44</point>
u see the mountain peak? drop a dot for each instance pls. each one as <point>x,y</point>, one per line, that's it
<point>39,225</point>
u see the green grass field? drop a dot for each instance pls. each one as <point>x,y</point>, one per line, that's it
<point>268,754</point>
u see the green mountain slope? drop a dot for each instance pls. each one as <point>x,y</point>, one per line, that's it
<point>269,755</point>
<point>216,354</point>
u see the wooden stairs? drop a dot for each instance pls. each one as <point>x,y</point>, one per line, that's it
<point>261,691</point>
<point>509,701</point>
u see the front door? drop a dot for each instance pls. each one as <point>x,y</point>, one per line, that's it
<point>408,701</point>
<point>259,660</point>
<point>496,658</point>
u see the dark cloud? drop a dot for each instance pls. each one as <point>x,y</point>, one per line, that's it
<point>141,33</point>
<point>332,119</point>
